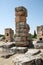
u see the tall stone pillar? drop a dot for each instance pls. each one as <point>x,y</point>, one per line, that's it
<point>22,28</point>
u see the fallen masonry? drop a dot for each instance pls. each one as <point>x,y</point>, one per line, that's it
<point>29,58</point>
<point>38,45</point>
<point>19,49</point>
<point>14,49</point>
<point>33,51</point>
<point>22,49</point>
<point>7,55</point>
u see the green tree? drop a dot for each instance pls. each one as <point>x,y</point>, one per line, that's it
<point>35,35</point>
<point>1,35</point>
<point>14,35</point>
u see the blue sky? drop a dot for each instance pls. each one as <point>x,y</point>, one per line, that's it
<point>7,13</point>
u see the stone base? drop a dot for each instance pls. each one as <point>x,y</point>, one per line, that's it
<point>41,41</point>
<point>22,44</point>
<point>22,49</point>
<point>19,49</point>
<point>39,45</point>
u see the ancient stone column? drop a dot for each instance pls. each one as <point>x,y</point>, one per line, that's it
<point>22,28</point>
<point>40,33</point>
<point>9,35</point>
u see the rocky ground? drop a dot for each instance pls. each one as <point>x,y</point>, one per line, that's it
<point>29,57</point>
<point>10,60</point>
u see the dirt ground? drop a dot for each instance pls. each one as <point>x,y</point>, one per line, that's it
<point>8,61</point>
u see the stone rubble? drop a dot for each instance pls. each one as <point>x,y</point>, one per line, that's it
<point>29,58</point>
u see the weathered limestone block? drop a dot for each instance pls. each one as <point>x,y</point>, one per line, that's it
<point>14,49</point>
<point>22,30</point>
<point>20,19</point>
<point>20,11</point>
<point>18,39</point>
<point>38,45</point>
<point>20,27</point>
<point>21,23</point>
<point>22,49</point>
<point>22,34</point>
<point>22,43</point>
<point>33,52</point>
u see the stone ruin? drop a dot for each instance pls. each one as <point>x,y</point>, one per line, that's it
<point>30,56</point>
<point>22,41</point>
<point>9,35</point>
<point>22,28</point>
<point>39,42</point>
<point>40,32</point>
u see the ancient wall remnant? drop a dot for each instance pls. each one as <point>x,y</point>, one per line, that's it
<point>9,35</point>
<point>22,28</point>
<point>40,32</point>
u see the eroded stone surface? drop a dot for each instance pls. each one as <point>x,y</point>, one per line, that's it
<point>29,59</point>
<point>22,28</point>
